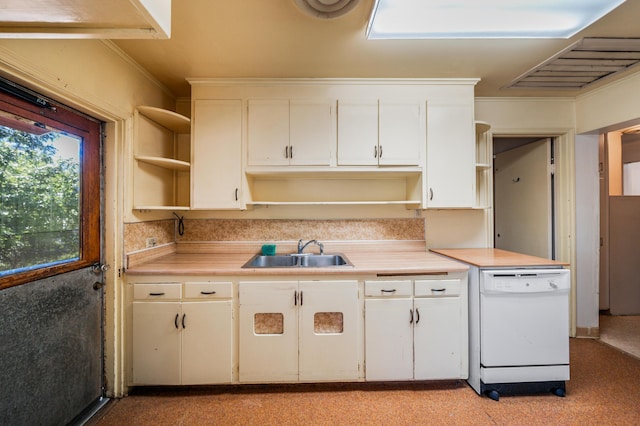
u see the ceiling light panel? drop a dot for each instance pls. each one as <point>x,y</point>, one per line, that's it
<point>427,19</point>
<point>583,63</point>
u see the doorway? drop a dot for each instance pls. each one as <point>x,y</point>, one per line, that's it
<point>51,293</point>
<point>524,195</point>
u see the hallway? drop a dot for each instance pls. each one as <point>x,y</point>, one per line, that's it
<point>621,332</point>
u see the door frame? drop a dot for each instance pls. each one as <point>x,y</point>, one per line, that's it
<point>549,144</point>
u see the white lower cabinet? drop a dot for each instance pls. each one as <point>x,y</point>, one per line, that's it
<point>416,329</point>
<point>184,340</point>
<point>293,331</point>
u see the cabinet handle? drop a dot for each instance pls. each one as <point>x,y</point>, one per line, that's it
<point>388,291</point>
<point>286,152</point>
<point>291,152</point>
<point>156,294</point>
<point>184,316</point>
<point>207,292</point>
<point>295,298</point>
<point>375,152</point>
<point>410,316</point>
<point>175,321</point>
<point>236,194</point>
<point>380,152</point>
<point>430,193</point>
<point>300,297</point>
<point>417,316</point>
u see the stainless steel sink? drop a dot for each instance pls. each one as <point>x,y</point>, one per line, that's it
<point>305,260</point>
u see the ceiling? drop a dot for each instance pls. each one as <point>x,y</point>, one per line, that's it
<point>274,38</point>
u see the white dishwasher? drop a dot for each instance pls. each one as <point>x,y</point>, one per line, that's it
<point>519,331</point>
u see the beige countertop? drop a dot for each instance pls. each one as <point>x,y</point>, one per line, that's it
<point>496,258</point>
<point>380,259</point>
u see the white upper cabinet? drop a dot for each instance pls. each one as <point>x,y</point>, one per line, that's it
<point>290,132</point>
<point>216,165</point>
<point>357,133</point>
<point>379,133</point>
<point>400,133</point>
<point>451,154</point>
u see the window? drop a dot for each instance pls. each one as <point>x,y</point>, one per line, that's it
<point>49,188</point>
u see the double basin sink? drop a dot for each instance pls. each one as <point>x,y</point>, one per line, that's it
<point>304,260</point>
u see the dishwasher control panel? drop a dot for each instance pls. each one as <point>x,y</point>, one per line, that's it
<point>524,280</point>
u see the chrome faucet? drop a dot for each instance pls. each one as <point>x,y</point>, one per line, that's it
<point>302,246</point>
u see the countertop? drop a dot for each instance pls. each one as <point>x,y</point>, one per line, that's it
<point>381,260</point>
<point>496,258</point>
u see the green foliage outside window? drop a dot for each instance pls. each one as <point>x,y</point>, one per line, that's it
<point>39,199</point>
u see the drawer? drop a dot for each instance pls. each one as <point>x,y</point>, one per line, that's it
<point>156,291</point>
<point>388,288</point>
<point>438,288</point>
<point>208,290</point>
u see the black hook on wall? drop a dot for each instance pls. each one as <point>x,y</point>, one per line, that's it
<point>180,224</point>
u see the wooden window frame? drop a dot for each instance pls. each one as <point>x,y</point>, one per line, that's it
<point>60,117</point>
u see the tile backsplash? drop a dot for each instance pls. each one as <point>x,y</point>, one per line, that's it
<point>164,231</point>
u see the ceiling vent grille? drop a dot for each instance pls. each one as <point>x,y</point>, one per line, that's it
<point>583,63</point>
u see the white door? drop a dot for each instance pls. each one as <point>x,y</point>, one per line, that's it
<point>389,339</point>
<point>451,169</point>
<point>358,133</point>
<point>156,343</point>
<point>268,332</point>
<point>328,330</point>
<point>523,199</point>
<point>437,346</point>
<point>312,133</point>
<point>206,342</point>
<point>400,134</point>
<point>216,154</point>
<point>268,134</point>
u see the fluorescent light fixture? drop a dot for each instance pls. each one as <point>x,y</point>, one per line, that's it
<point>438,19</point>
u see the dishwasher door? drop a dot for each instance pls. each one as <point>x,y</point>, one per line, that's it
<point>524,317</point>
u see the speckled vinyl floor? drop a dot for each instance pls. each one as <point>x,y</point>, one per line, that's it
<point>604,390</point>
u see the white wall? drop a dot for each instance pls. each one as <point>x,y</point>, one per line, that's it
<point>588,235</point>
<point>609,108</point>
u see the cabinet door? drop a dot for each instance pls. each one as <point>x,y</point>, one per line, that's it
<point>400,134</point>
<point>268,138</point>
<point>450,155</point>
<point>156,343</point>
<point>268,330</point>
<point>328,328</point>
<point>206,342</point>
<point>311,134</point>
<point>358,133</point>
<point>437,343</point>
<point>216,154</point>
<point>389,339</point>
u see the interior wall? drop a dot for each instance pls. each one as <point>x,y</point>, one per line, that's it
<point>610,107</point>
<point>587,239</point>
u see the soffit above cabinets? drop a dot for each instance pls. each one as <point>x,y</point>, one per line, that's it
<point>585,62</point>
<point>112,19</point>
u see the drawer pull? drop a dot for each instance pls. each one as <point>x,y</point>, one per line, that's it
<point>208,292</point>
<point>388,291</point>
<point>157,294</point>
<point>438,290</point>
